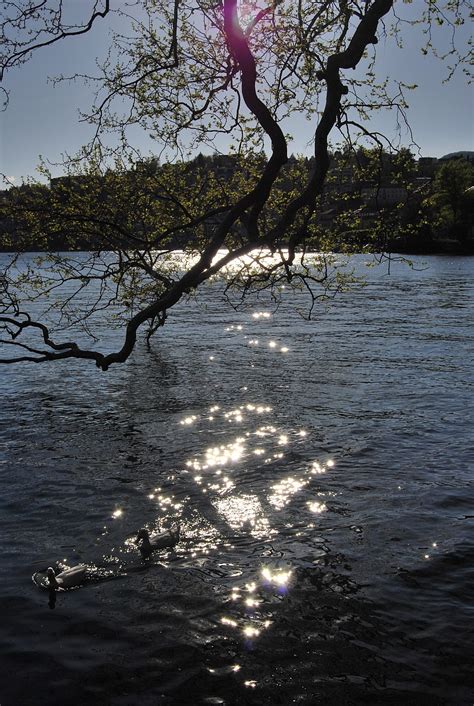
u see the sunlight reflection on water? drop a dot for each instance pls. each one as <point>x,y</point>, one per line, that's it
<point>242,450</point>
<point>253,600</point>
<point>245,512</point>
<point>220,471</point>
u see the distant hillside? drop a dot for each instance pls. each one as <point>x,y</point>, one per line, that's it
<point>464,154</point>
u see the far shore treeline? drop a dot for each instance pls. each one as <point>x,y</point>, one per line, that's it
<point>372,201</point>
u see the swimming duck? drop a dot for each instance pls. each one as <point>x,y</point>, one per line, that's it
<point>163,540</point>
<point>67,578</point>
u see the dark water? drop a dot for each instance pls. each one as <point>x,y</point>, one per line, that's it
<point>325,495</point>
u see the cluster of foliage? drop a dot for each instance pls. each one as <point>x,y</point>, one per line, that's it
<point>435,213</point>
<point>150,207</point>
<point>451,201</point>
<point>190,73</point>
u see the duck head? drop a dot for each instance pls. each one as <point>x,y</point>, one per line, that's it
<point>51,577</point>
<point>142,534</point>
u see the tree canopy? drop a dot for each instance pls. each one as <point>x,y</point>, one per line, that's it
<point>195,73</point>
<point>452,197</point>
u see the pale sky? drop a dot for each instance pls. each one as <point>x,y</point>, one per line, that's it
<point>42,119</point>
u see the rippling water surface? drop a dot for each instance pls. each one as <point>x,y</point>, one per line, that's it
<point>322,475</point>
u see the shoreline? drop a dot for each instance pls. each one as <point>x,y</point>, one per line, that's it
<point>443,249</point>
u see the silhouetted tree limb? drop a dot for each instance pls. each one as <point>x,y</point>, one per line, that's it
<point>187,72</point>
<point>44,23</point>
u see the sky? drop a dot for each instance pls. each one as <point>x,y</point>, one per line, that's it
<point>42,118</point>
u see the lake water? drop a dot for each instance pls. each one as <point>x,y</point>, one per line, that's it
<point>325,495</point>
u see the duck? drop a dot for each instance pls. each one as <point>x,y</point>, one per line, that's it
<point>155,542</point>
<point>67,578</point>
